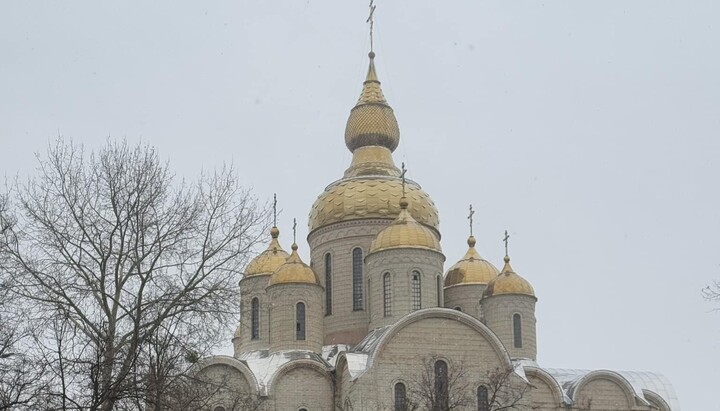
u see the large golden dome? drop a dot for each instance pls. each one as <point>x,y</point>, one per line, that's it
<point>405,232</point>
<point>371,187</point>
<point>371,197</point>
<point>372,121</point>
<point>471,269</point>
<point>294,271</point>
<point>269,260</point>
<point>508,282</point>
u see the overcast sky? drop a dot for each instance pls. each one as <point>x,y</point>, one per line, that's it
<point>590,130</point>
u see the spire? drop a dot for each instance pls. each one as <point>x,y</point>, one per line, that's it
<point>372,121</point>
<point>507,268</point>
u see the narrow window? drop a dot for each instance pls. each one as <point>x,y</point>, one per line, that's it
<point>441,386</point>
<point>387,296</point>
<point>458,308</point>
<point>439,291</point>
<point>400,397</point>
<point>357,279</point>
<point>482,399</point>
<point>328,284</point>
<point>517,331</point>
<point>415,289</point>
<point>255,319</point>
<point>300,321</point>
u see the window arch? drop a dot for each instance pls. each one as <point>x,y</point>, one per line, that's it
<point>219,408</point>
<point>300,321</point>
<point>517,331</point>
<point>400,397</point>
<point>482,399</point>
<point>458,308</point>
<point>357,279</point>
<point>255,319</point>
<point>328,284</point>
<point>387,295</point>
<point>442,394</point>
<point>415,290</point>
<point>439,292</point>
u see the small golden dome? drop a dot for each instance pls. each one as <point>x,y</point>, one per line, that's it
<point>269,260</point>
<point>471,269</point>
<point>371,197</point>
<point>405,232</point>
<point>294,271</point>
<point>508,282</point>
<point>372,121</point>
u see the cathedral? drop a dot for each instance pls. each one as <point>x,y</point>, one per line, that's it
<point>376,322</point>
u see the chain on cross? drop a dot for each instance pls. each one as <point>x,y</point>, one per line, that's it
<point>294,231</point>
<point>275,210</point>
<point>402,177</point>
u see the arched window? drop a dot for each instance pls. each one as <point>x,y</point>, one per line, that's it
<point>442,394</point>
<point>482,399</point>
<point>400,397</point>
<point>415,290</point>
<point>357,279</point>
<point>439,291</point>
<point>387,295</point>
<point>328,284</point>
<point>302,409</point>
<point>219,408</point>
<point>255,319</point>
<point>458,308</point>
<point>300,321</point>
<point>517,331</point>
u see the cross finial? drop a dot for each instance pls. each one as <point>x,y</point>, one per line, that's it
<point>402,176</point>
<point>275,210</point>
<point>505,239</point>
<point>294,231</point>
<point>470,217</point>
<point>371,20</point>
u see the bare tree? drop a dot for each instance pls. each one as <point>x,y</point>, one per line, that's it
<point>122,256</point>
<point>505,390</point>
<point>712,292</point>
<point>439,387</point>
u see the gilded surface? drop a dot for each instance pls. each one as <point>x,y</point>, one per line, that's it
<point>471,269</point>
<point>269,260</point>
<point>372,121</point>
<point>508,282</point>
<point>294,271</point>
<point>405,232</point>
<point>372,161</point>
<point>378,197</point>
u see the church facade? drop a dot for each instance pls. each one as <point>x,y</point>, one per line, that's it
<point>376,322</point>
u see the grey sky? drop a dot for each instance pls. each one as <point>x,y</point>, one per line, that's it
<point>590,130</point>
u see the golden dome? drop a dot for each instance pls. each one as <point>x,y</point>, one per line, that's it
<point>471,269</point>
<point>371,197</point>
<point>405,232</point>
<point>508,282</point>
<point>294,271</point>
<point>372,121</point>
<point>269,260</point>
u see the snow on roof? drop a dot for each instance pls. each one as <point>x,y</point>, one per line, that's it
<point>265,365</point>
<point>639,380</point>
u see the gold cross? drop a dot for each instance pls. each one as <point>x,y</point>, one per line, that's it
<point>294,230</point>
<point>275,210</point>
<point>371,21</point>
<point>470,217</point>
<point>402,176</point>
<point>507,236</point>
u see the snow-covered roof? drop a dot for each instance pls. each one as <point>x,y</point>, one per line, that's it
<point>640,381</point>
<point>264,365</point>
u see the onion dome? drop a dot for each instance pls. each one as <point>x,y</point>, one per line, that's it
<point>269,260</point>
<point>372,121</point>
<point>362,198</point>
<point>508,282</point>
<point>294,271</point>
<point>471,269</point>
<point>405,232</point>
